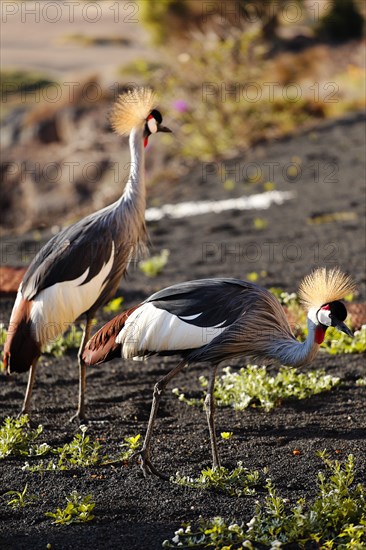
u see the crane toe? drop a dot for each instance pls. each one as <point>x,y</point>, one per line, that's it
<point>146,465</point>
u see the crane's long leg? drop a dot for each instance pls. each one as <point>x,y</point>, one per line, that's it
<point>210,412</point>
<point>28,392</point>
<point>146,465</point>
<point>80,414</point>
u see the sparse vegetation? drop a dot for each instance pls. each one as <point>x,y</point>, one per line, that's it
<point>81,452</point>
<point>78,510</point>
<point>238,482</point>
<point>20,498</point>
<point>253,386</point>
<point>18,438</point>
<point>335,520</point>
<point>114,305</point>
<point>130,445</point>
<point>336,342</point>
<point>71,339</point>
<point>155,264</point>
<point>228,80</point>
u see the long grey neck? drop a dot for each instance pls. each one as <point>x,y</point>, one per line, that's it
<point>294,353</point>
<point>135,186</point>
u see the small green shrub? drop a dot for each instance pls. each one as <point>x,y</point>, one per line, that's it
<point>336,342</point>
<point>130,445</point>
<point>154,265</point>
<point>81,452</point>
<point>20,498</point>
<point>114,305</point>
<point>17,438</point>
<point>252,386</point>
<point>335,520</point>
<point>70,340</point>
<point>238,482</point>
<point>78,510</point>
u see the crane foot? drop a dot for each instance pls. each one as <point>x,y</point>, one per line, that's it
<point>79,419</point>
<point>146,465</point>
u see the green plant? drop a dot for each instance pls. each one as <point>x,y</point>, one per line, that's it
<point>130,446</point>
<point>226,435</point>
<point>154,265</point>
<point>21,498</point>
<point>335,520</point>
<point>260,223</point>
<point>70,340</point>
<point>114,305</point>
<point>17,438</point>
<point>336,342</point>
<point>78,510</point>
<point>81,452</point>
<point>2,334</point>
<point>240,481</point>
<point>252,386</point>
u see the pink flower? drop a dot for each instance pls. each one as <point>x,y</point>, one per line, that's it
<point>180,105</point>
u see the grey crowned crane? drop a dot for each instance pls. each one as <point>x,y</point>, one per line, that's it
<point>80,268</point>
<point>211,320</point>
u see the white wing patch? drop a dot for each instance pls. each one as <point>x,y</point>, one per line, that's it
<point>57,306</point>
<point>149,328</point>
<point>189,317</point>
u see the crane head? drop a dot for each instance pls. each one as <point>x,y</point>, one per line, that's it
<point>321,292</point>
<point>330,315</point>
<point>153,124</point>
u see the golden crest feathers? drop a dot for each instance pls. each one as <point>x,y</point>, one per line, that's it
<point>131,109</point>
<point>324,286</point>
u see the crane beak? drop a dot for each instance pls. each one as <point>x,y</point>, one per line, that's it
<point>164,129</point>
<point>339,325</point>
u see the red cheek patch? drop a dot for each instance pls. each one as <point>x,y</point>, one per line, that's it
<point>319,335</point>
<point>145,142</point>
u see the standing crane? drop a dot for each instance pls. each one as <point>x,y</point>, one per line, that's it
<point>80,268</point>
<point>211,320</point>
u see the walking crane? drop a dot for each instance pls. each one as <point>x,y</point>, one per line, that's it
<point>80,268</point>
<point>212,320</point>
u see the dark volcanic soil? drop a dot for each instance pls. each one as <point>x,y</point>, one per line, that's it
<point>322,225</point>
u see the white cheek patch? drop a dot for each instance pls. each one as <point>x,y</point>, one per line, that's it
<point>152,125</point>
<point>324,317</point>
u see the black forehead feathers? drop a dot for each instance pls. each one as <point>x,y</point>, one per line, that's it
<point>338,310</point>
<point>157,115</point>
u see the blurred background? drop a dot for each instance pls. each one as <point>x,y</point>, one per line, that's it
<point>229,75</point>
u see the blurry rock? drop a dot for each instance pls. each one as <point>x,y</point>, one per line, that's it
<point>357,314</point>
<point>10,278</point>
